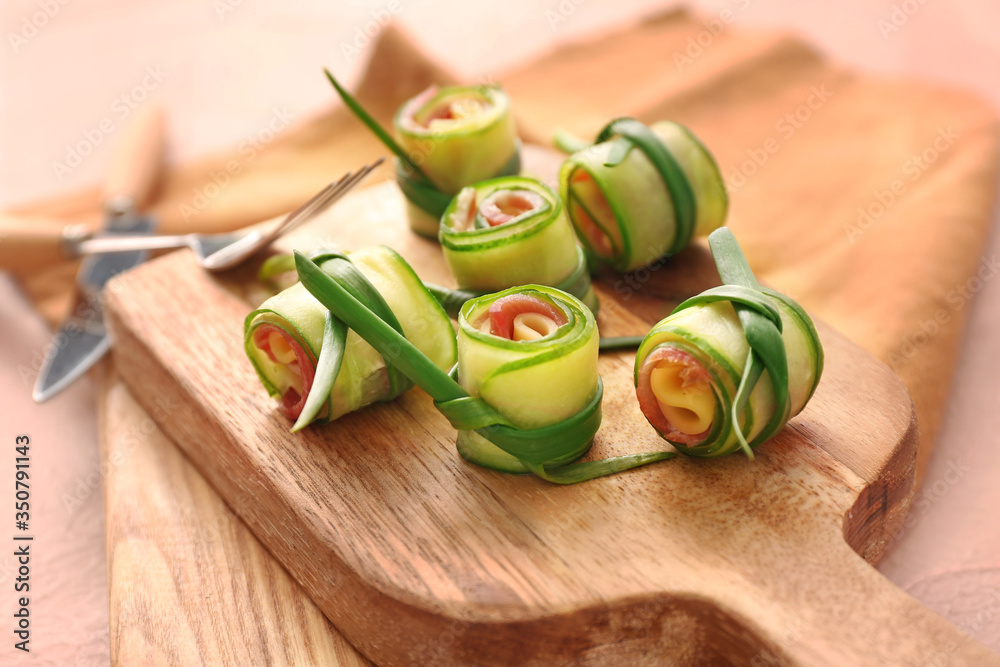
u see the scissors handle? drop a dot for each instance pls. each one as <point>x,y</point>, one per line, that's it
<point>29,244</point>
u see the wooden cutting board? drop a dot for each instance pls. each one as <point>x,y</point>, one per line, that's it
<point>420,558</point>
<point>188,583</point>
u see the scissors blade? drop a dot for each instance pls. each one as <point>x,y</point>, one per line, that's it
<point>82,338</point>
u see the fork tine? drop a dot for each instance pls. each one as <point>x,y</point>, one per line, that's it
<point>312,201</point>
<point>348,184</point>
<point>316,205</point>
<point>322,198</point>
<point>309,206</point>
<point>326,197</point>
<point>237,251</point>
<point>316,200</point>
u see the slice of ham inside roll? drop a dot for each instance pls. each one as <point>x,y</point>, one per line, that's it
<point>593,215</point>
<point>522,317</point>
<point>446,114</point>
<point>297,367</point>
<point>495,209</point>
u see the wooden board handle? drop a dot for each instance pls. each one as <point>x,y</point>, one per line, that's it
<point>137,158</point>
<point>837,609</point>
<point>29,244</point>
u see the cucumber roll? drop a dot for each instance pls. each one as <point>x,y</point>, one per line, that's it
<point>728,368</point>
<point>640,193</point>
<point>513,231</point>
<point>448,138</point>
<point>317,368</point>
<point>530,353</point>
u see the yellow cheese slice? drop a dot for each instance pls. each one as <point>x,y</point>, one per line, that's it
<point>532,326</point>
<point>689,406</point>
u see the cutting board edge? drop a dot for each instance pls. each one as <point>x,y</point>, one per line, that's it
<point>892,494</point>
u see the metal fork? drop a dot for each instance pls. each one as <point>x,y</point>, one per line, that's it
<point>219,252</point>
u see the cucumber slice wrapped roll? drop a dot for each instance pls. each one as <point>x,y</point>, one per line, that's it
<point>530,353</point>
<point>542,335</point>
<point>640,193</point>
<point>465,134</point>
<point>512,231</point>
<point>448,138</point>
<point>728,368</point>
<point>320,370</point>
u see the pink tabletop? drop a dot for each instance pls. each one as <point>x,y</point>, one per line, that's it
<point>222,67</point>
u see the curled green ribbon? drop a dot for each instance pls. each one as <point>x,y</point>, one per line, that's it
<point>346,373</point>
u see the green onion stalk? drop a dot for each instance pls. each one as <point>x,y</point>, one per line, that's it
<point>640,193</point>
<point>541,334</point>
<point>511,231</point>
<point>316,367</point>
<point>727,369</point>
<point>448,138</point>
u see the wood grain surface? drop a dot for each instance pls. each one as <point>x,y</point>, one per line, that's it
<point>189,584</point>
<point>420,558</point>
